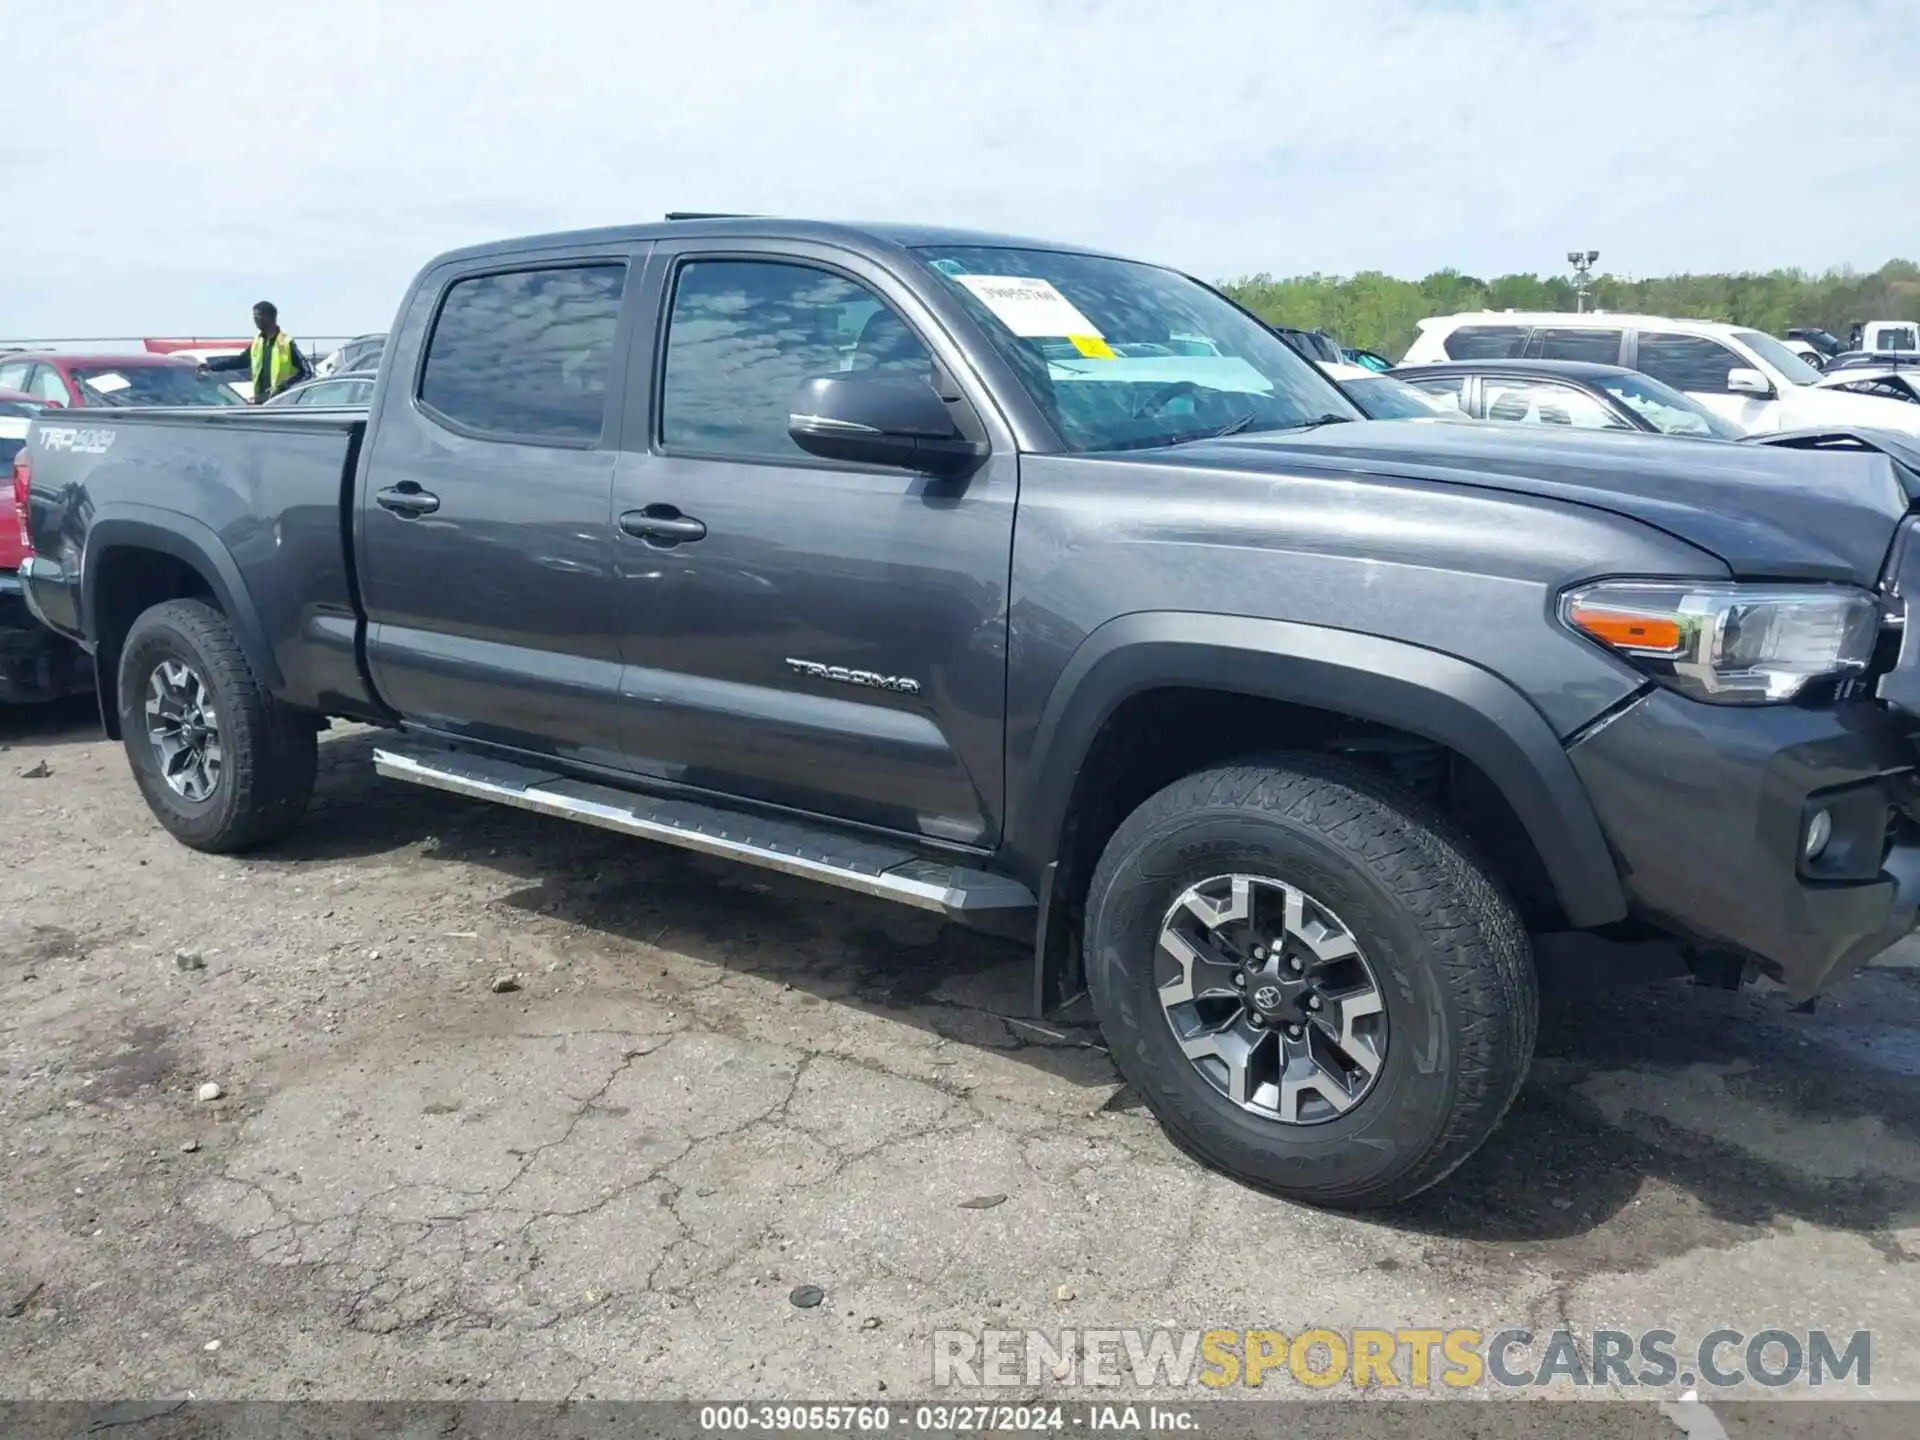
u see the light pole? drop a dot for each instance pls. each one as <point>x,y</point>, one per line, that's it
<point>1582,262</point>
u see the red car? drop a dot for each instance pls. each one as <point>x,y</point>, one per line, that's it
<point>35,663</point>
<point>79,381</point>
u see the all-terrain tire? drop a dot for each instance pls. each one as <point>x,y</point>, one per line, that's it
<point>1452,962</point>
<point>268,750</point>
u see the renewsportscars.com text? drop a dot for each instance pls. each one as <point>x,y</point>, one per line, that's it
<point>1415,1359</point>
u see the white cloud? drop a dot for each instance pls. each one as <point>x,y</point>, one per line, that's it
<point>195,157</point>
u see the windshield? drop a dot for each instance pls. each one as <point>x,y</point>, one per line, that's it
<point>1795,370</point>
<point>1895,337</point>
<point>1122,355</point>
<point>151,385</point>
<point>1384,398</point>
<point>1665,408</point>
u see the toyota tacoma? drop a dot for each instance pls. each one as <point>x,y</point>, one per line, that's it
<point>1051,592</point>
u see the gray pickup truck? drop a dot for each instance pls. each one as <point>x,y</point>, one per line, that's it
<point>1054,593</point>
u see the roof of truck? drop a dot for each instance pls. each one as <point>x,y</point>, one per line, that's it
<point>857,236</point>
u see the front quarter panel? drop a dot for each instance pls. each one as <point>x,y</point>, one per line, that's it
<point>1440,571</point>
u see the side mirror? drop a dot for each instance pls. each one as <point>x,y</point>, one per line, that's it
<point>1744,381</point>
<point>881,420</point>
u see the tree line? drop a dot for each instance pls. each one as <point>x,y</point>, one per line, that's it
<point>1374,311</point>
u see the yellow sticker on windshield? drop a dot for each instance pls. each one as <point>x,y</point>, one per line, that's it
<point>1092,346</point>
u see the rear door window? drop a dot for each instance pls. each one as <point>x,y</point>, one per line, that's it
<point>526,354</point>
<point>1484,342</point>
<point>1688,362</point>
<point>1446,389</point>
<point>1532,402</point>
<point>47,385</point>
<point>1599,346</point>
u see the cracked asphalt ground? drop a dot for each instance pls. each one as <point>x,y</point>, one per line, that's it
<point>713,1086</point>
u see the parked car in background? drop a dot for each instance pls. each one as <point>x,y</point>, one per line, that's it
<point>1823,343</point>
<point>81,381</point>
<point>1890,382</point>
<point>360,353</point>
<point>243,387</point>
<point>1579,393</point>
<point>1865,360</point>
<point>35,663</point>
<point>336,391</point>
<point>1742,375</point>
<point>1879,337</point>
<point>1387,397</point>
<point>1316,345</point>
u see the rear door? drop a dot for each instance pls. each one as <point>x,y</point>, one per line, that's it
<point>821,636</point>
<point>485,543</point>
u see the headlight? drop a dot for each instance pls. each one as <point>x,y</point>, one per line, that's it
<point>1729,644</point>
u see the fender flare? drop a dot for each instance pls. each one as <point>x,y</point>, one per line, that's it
<point>1424,692</point>
<point>146,527</point>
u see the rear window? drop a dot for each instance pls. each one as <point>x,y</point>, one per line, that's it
<point>151,385</point>
<point>1484,342</point>
<point>525,354</point>
<point>1601,346</point>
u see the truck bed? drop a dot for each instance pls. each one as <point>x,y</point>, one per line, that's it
<point>257,502</point>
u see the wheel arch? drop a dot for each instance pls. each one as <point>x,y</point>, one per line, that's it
<point>1439,697</point>
<point>138,556</point>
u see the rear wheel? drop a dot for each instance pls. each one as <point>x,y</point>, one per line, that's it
<point>1309,981</point>
<point>223,766</point>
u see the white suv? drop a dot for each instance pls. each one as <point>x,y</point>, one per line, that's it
<point>1745,375</point>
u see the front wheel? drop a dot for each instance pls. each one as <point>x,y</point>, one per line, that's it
<point>222,764</point>
<point>1308,981</point>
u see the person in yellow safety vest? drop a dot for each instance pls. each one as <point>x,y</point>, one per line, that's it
<point>272,361</point>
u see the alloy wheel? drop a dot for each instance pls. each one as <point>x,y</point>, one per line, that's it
<point>1270,997</point>
<point>183,727</point>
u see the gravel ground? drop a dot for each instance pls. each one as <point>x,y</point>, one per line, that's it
<point>512,1108</point>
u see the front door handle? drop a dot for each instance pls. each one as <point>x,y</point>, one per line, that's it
<point>662,525</point>
<point>407,500</point>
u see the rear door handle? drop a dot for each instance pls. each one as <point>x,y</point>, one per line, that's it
<point>662,525</point>
<point>407,500</point>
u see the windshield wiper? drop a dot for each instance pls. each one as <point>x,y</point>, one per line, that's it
<point>1318,420</point>
<point>1232,427</point>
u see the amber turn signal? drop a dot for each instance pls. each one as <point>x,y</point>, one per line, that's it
<point>1625,630</point>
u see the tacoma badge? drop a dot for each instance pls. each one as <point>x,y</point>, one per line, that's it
<point>855,677</point>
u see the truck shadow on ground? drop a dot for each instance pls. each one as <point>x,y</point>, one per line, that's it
<point>1658,1118</point>
<point>72,721</point>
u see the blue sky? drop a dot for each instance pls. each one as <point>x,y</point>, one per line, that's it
<point>172,162</point>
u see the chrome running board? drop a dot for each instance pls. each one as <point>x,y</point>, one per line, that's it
<point>813,852</point>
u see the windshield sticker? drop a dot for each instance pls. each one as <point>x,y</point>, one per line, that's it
<point>106,384</point>
<point>950,267</point>
<point>1093,347</point>
<point>1031,309</point>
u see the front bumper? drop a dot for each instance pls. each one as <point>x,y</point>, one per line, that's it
<point>1706,808</point>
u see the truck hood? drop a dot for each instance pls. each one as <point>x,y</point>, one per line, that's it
<point>1766,511</point>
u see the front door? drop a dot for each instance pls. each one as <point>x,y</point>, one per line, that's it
<point>1699,367</point>
<point>485,542</point>
<point>818,636</point>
